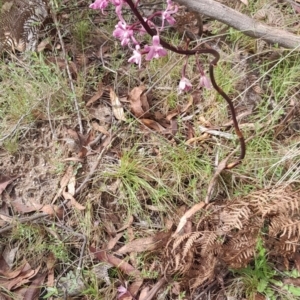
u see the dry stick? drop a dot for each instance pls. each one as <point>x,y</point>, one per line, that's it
<point>242,22</point>
<point>68,71</point>
<point>212,64</point>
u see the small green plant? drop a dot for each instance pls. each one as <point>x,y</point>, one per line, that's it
<point>257,277</point>
<point>81,32</point>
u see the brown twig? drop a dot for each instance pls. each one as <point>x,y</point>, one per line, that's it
<point>243,23</point>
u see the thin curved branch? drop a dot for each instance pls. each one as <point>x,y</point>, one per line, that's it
<point>242,22</point>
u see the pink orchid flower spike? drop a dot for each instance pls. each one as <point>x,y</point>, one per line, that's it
<point>123,33</point>
<point>184,85</point>
<point>204,82</point>
<point>156,50</point>
<point>136,57</point>
<point>100,4</point>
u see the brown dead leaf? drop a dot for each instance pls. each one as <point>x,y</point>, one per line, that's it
<point>175,112</point>
<point>9,255</point>
<point>245,2</point>
<point>100,128</point>
<point>45,43</point>
<point>138,101</point>
<point>259,296</point>
<point>4,219</point>
<point>64,182</point>
<point>153,125</point>
<point>51,210</point>
<point>135,287</point>
<point>187,215</point>
<point>128,223</point>
<point>97,96</point>
<point>73,201</point>
<point>146,244</point>
<point>71,185</point>
<point>5,181</point>
<point>144,293</point>
<point>4,267</point>
<point>50,267</point>
<point>112,242</point>
<point>124,266</point>
<point>33,290</point>
<point>187,106</point>
<point>117,107</point>
<point>293,281</point>
<point>17,277</point>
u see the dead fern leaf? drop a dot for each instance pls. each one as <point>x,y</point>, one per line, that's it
<point>234,216</point>
<point>284,226</point>
<point>268,203</point>
<point>20,21</point>
<point>239,251</point>
<point>190,242</point>
<point>209,244</point>
<point>178,240</point>
<point>205,272</point>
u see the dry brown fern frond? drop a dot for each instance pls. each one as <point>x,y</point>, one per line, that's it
<point>280,200</point>
<point>234,216</point>
<point>239,251</point>
<point>179,240</point>
<point>190,243</point>
<point>284,226</point>
<point>283,247</point>
<point>20,21</point>
<point>204,271</point>
<point>209,243</point>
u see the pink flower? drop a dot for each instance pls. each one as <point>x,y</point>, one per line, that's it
<point>166,15</point>
<point>119,4</point>
<point>156,50</point>
<point>204,82</point>
<point>123,33</point>
<point>99,4</point>
<point>136,57</point>
<point>122,291</point>
<point>184,85</point>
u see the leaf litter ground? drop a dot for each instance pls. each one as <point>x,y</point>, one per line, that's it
<point>93,214</point>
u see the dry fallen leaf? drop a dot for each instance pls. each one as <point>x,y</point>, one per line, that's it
<point>138,101</point>
<point>146,244</point>
<point>153,125</point>
<point>33,290</point>
<point>100,128</point>
<point>293,281</point>
<point>97,96</point>
<point>5,181</point>
<point>245,2</point>
<point>117,107</point>
<point>124,266</point>
<point>51,210</point>
<point>144,293</point>
<point>73,201</point>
